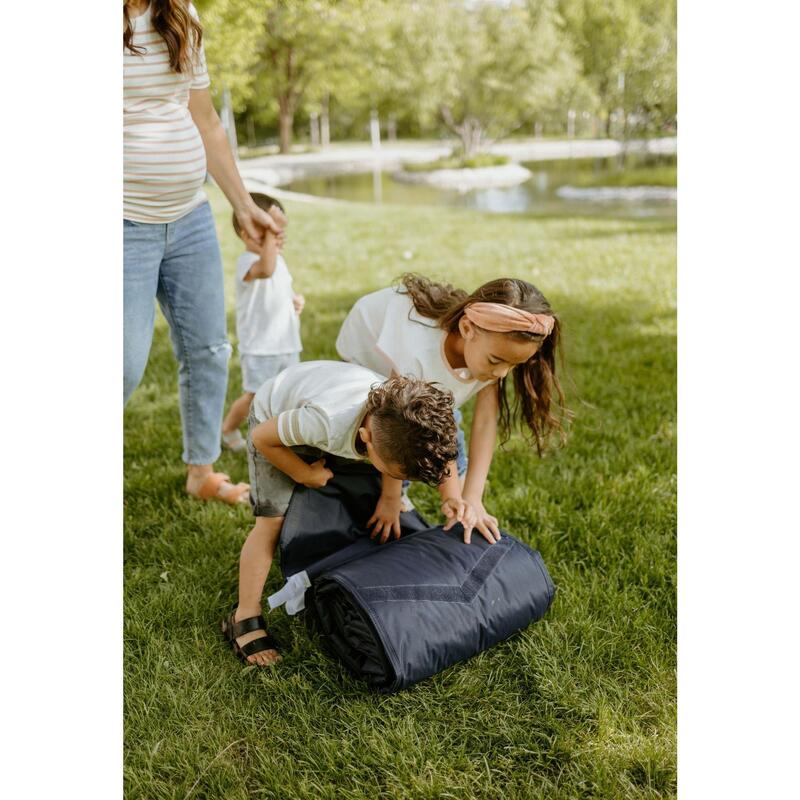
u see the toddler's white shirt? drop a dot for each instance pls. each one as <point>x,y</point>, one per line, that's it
<point>266,322</point>
<point>384,332</point>
<point>319,404</point>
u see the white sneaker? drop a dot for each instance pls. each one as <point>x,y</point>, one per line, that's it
<point>234,441</point>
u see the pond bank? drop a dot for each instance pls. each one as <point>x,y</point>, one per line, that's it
<point>279,170</point>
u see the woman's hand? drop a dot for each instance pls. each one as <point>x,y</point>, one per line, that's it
<point>256,222</point>
<point>485,523</point>
<point>386,518</point>
<point>299,303</point>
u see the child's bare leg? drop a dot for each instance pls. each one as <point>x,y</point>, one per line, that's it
<point>254,565</point>
<point>238,413</point>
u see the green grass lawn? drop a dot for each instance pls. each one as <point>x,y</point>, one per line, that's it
<point>579,705</point>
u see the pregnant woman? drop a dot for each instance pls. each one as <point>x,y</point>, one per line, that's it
<point>172,136</point>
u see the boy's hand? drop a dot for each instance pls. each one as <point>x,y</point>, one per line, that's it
<point>456,509</point>
<point>299,303</point>
<point>386,518</point>
<point>318,475</point>
<point>281,222</point>
<point>485,523</point>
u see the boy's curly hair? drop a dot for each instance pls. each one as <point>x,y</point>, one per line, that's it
<point>413,427</point>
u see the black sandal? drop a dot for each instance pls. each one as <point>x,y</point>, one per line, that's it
<point>232,630</point>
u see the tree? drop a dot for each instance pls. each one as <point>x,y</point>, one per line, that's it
<point>627,53</point>
<point>232,33</point>
<point>300,44</point>
<point>500,66</point>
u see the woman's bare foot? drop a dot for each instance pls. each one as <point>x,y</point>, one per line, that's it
<point>202,482</point>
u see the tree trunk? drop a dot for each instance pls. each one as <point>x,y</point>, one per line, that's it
<point>286,123</point>
<point>313,122</point>
<point>391,128</point>
<point>375,129</point>
<point>324,123</point>
<point>471,133</point>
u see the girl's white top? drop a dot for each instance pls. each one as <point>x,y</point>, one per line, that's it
<point>384,332</point>
<point>164,161</point>
<point>318,403</point>
<point>266,322</point>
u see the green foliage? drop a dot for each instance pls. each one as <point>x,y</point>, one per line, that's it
<point>627,49</point>
<point>580,705</point>
<point>478,69</point>
<point>502,66</point>
<point>232,34</point>
<point>458,162</point>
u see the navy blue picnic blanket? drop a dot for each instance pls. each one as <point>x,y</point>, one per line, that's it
<point>400,612</point>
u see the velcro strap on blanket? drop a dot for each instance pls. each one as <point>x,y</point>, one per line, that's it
<point>464,593</point>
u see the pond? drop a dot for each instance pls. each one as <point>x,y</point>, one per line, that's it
<point>574,187</point>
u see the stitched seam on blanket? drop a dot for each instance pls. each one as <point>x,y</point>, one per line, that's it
<point>465,593</point>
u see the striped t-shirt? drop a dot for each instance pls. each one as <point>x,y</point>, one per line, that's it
<point>164,158</point>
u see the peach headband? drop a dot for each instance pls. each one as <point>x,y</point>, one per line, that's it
<point>502,319</point>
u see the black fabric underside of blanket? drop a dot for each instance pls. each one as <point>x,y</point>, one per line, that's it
<point>397,613</point>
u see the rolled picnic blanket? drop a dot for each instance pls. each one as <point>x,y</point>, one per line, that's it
<point>400,612</point>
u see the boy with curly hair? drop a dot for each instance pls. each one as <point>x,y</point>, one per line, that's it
<point>403,426</point>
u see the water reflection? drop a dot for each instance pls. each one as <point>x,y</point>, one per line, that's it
<point>555,188</point>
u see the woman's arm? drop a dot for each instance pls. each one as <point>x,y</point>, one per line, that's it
<point>267,442</point>
<point>222,167</point>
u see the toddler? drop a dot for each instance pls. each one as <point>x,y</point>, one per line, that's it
<point>267,318</point>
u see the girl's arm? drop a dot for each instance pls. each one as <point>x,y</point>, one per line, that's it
<point>267,442</point>
<point>254,220</point>
<point>453,506</point>
<point>482,439</point>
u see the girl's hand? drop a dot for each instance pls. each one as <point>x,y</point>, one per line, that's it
<point>456,509</point>
<point>299,303</point>
<point>386,518</point>
<point>485,523</point>
<point>318,475</point>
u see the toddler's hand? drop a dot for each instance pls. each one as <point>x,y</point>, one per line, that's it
<point>485,523</point>
<point>280,223</point>
<point>299,303</point>
<point>318,476</point>
<point>386,518</point>
<point>456,509</point>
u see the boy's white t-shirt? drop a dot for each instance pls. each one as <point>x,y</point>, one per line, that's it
<point>319,404</point>
<point>266,322</point>
<point>384,332</point>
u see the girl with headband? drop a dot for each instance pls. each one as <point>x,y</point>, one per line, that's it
<point>468,343</point>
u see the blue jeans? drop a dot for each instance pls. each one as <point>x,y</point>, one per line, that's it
<point>179,264</point>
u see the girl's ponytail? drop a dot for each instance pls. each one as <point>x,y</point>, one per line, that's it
<point>537,391</point>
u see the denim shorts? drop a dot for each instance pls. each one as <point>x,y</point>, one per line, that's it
<point>462,462</point>
<point>270,488</point>
<point>257,370</point>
